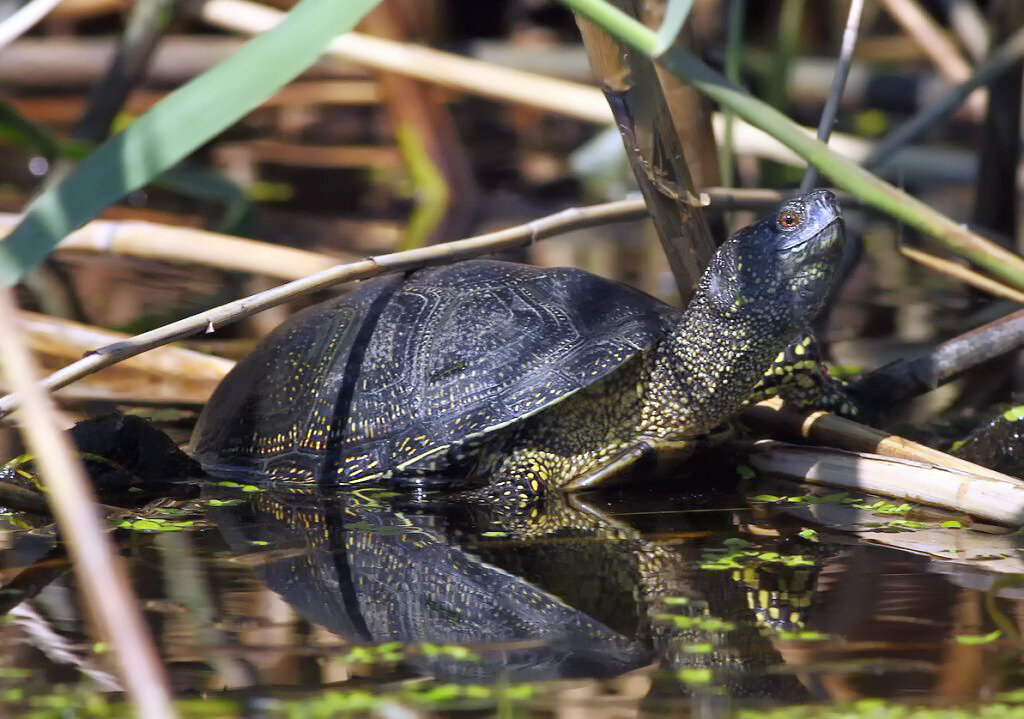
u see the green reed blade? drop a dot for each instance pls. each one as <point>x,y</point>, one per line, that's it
<point>176,126</point>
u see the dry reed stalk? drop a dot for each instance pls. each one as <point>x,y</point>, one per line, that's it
<point>185,245</point>
<point>64,338</point>
<point>24,19</point>
<point>936,44</point>
<point>104,582</point>
<point>520,236</point>
<point>964,274</point>
<point>571,99</point>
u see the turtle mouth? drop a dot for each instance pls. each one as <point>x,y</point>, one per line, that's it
<point>826,234</point>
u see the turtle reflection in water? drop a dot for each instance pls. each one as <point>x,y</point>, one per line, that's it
<point>372,576</point>
<point>585,601</point>
<point>519,378</point>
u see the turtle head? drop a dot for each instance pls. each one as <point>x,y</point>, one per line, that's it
<point>781,268</point>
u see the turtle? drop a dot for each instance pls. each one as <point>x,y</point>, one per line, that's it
<point>515,378</point>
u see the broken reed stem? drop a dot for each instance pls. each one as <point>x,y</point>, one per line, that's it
<point>98,569</point>
<point>987,498</point>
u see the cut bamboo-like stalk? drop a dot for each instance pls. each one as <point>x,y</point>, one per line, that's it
<point>984,496</point>
<point>828,429</point>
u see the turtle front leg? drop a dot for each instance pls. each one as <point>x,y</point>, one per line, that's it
<point>525,475</point>
<point>514,483</point>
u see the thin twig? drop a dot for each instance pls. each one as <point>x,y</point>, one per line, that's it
<point>188,245</point>
<point>720,199</point>
<point>733,63</point>
<point>99,571</point>
<point>964,274</point>
<point>24,20</point>
<point>897,381</point>
<point>845,60</point>
<point>1002,59</point>
<point>558,223</point>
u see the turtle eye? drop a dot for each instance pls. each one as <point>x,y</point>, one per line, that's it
<point>788,219</point>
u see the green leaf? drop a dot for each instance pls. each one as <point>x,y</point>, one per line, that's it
<point>972,639</point>
<point>846,174</point>
<point>175,127</point>
<point>223,502</point>
<point>695,675</point>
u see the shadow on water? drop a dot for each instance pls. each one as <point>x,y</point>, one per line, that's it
<point>628,603</point>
